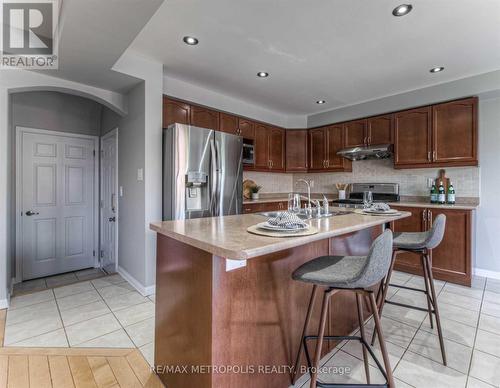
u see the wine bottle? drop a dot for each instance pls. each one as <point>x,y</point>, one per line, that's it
<point>434,193</point>
<point>441,194</point>
<point>451,194</point>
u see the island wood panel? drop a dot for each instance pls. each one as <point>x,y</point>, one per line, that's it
<point>248,317</point>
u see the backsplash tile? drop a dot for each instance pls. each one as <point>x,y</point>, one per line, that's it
<point>413,182</point>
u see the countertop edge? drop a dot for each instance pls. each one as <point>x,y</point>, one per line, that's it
<point>281,243</point>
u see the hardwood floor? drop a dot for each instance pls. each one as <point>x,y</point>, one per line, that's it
<point>73,367</point>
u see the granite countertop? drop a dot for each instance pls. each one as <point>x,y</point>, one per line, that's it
<point>228,237</point>
<point>462,204</point>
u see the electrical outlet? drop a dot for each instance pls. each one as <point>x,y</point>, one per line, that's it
<point>430,181</point>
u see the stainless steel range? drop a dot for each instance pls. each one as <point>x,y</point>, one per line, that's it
<point>382,192</point>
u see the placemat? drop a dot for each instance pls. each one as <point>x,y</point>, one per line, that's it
<point>360,211</point>
<point>269,233</point>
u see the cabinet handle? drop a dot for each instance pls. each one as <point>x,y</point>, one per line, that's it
<point>434,156</point>
<point>369,140</point>
<point>327,163</point>
<point>429,156</point>
<point>429,217</point>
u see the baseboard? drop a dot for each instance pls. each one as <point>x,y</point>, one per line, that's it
<point>486,273</point>
<point>145,291</point>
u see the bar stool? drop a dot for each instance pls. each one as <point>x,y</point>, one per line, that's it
<point>346,273</point>
<point>423,243</point>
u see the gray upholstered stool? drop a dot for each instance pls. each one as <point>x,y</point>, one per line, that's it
<point>347,273</point>
<point>422,243</point>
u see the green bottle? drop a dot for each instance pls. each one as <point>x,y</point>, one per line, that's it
<point>441,194</point>
<point>434,193</point>
<point>451,194</point>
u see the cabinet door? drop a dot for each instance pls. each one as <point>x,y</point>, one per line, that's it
<point>455,132</point>
<point>380,130</point>
<point>228,123</point>
<point>355,133</point>
<point>296,150</point>
<point>451,260</point>
<point>412,137</point>
<point>247,129</point>
<point>204,118</point>
<point>335,142</point>
<point>175,112</point>
<point>317,149</point>
<point>261,150</point>
<point>277,148</point>
<point>410,262</point>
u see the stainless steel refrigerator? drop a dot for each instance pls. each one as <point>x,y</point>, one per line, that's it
<point>202,173</point>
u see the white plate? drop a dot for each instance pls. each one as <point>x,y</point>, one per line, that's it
<point>266,225</point>
<point>373,211</point>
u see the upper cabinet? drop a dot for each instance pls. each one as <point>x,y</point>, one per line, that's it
<point>296,150</point>
<point>413,137</point>
<point>437,136</point>
<point>228,123</point>
<point>355,133</point>
<point>324,143</point>
<point>269,147</point>
<point>175,112</point>
<point>380,130</point>
<point>246,128</point>
<point>455,132</point>
<point>204,118</point>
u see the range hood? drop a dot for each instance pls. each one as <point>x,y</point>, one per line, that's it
<point>382,151</point>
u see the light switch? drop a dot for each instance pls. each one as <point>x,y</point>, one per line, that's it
<point>140,175</point>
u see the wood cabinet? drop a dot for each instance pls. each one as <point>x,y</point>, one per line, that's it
<point>437,136</point>
<point>451,260</point>
<point>355,133</point>
<point>228,123</point>
<point>296,150</point>
<point>264,207</point>
<point>204,118</point>
<point>324,143</point>
<point>380,130</point>
<point>175,112</point>
<point>269,148</point>
<point>246,128</point>
<point>455,132</point>
<point>413,137</point>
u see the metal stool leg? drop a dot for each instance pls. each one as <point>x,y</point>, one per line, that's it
<point>361,319</point>
<point>304,332</point>
<point>383,348</point>
<point>319,343</point>
<point>435,305</point>
<point>427,290</point>
<point>385,289</point>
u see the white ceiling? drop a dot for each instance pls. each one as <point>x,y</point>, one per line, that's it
<point>343,51</point>
<point>94,34</point>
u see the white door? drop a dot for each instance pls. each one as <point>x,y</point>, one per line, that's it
<point>57,203</point>
<point>109,200</point>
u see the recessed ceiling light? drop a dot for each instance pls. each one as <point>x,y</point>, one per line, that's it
<point>436,69</point>
<point>402,10</point>
<point>321,102</point>
<point>190,40</point>
<point>262,74</point>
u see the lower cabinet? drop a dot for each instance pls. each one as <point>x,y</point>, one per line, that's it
<point>451,260</point>
<point>264,207</point>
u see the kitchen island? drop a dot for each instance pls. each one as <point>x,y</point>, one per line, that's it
<point>228,313</point>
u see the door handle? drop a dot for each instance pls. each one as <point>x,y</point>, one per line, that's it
<point>112,219</point>
<point>30,213</point>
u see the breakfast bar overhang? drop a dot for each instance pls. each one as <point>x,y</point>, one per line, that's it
<point>228,313</point>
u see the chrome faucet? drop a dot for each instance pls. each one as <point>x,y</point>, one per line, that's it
<point>308,183</point>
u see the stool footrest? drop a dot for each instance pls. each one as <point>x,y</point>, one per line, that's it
<point>409,306</point>
<point>408,288</point>
<point>347,338</point>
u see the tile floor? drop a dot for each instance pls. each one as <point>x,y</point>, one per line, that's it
<point>108,312</point>
<point>57,280</point>
<point>103,312</point>
<point>471,324</point>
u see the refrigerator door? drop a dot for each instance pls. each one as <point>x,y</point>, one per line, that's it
<point>229,193</point>
<point>189,182</point>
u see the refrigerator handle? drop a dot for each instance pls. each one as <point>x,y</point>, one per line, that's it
<point>219,179</point>
<point>213,178</point>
